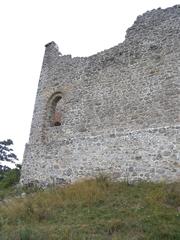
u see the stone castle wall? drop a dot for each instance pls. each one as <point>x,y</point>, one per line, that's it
<point>119,109</point>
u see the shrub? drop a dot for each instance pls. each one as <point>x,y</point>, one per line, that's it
<point>10,178</point>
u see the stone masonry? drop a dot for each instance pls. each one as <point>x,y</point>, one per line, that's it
<point>116,112</point>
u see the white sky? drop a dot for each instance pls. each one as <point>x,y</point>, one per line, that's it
<point>79,27</point>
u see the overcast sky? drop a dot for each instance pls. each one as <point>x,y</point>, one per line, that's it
<point>79,27</point>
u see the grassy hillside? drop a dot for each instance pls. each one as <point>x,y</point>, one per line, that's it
<point>95,210</point>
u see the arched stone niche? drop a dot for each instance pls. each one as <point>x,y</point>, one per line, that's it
<point>54,114</point>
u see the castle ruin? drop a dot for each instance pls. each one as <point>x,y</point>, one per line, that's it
<point>116,112</point>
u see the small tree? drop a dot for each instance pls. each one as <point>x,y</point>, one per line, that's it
<point>8,176</point>
<point>6,153</point>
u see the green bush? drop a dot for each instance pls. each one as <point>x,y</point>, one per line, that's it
<point>10,178</point>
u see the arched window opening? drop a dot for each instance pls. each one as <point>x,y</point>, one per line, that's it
<point>55,117</point>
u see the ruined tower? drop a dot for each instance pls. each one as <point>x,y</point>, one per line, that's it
<point>116,112</point>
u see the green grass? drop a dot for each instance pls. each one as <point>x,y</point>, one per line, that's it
<point>96,209</point>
